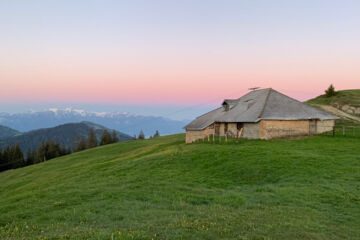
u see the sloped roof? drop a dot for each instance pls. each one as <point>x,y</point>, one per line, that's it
<point>258,105</point>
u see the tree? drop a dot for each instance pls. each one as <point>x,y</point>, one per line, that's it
<point>52,149</point>
<point>114,137</point>
<point>31,157</point>
<point>7,157</point>
<point>330,91</point>
<point>92,139</point>
<point>82,145</point>
<point>18,157</point>
<point>2,161</point>
<point>141,135</point>
<point>157,134</point>
<point>105,138</point>
<point>75,143</point>
<point>41,152</point>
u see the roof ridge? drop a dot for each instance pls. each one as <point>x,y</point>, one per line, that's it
<point>266,100</point>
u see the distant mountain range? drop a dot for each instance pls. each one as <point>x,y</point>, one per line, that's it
<point>124,122</point>
<point>6,132</point>
<point>64,134</point>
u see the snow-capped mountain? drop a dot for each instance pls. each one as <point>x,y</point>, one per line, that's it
<point>122,121</point>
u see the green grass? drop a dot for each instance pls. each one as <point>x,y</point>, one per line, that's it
<point>164,189</point>
<point>349,97</point>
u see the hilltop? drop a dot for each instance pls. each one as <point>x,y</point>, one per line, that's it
<point>344,97</point>
<point>64,134</point>
<point>345,104</point>
<point>163,188</point>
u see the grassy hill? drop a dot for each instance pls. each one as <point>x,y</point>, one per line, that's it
<point>164,189</point>
<point>345,104</point>
<point>344,97</point>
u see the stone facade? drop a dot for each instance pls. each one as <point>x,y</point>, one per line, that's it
<point>194,135</point>
<point>283,128</point>
<point>324,126</point>
<point>265,129</point>
<point>251,131</point>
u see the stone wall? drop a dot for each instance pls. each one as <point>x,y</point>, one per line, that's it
<point>282,128</point>
<point>324,126</point>
<point>194,135</point>
<point>251,131</point>
<point>265,129</point>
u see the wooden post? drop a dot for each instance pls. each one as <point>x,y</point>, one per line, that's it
<point>214,138</point>
<point>208,138</point>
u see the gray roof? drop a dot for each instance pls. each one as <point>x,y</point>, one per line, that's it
<point>258,105</point>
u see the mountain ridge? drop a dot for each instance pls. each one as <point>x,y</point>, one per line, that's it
<point>6,132</point>
<point>126,122</point>
<point>64,134</point>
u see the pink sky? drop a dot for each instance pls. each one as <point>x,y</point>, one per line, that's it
<point>164,54</point>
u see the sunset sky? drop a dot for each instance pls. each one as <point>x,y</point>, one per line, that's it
<point>161,56</point>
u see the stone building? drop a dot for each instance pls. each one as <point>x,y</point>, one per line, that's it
<point>264,114</point>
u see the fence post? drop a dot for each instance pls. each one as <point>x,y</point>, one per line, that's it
<point>343,130</point>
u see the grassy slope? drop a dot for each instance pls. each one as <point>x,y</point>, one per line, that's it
<point>349,97</point>
<point>165,189</point>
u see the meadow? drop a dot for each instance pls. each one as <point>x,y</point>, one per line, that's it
<point>162,188</point>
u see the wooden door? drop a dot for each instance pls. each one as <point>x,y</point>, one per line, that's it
<point>217,129</point>
<point>312,126</point>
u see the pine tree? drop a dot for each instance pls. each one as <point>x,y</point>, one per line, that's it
<point>2,160</point>
<point>64,150</point>
<point>6,156</point>
<point>157,134</point>
<point>141,135</point>
<point>75,143</point>
<point>18,157</point>
<point>330,91</point>
<point>92,139</point>
<point>41,152</point>
<point>114,137</point>
<point>50,151</point>
<point>29,158</point>
<point>105,138</point>
<point>82,145</point>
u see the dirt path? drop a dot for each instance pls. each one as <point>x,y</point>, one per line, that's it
<point>338,112</point>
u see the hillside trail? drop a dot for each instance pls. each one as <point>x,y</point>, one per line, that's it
<point>338,112</point>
